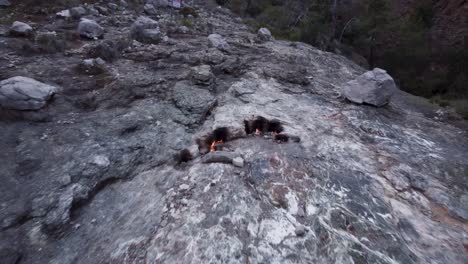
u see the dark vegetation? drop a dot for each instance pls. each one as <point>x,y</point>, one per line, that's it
<point>374,33</point>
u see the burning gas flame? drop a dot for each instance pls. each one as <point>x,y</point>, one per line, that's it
<point>258,132</point>
<point>213,145</point>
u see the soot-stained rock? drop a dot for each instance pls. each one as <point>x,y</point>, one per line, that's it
<point>23,93</point>
<point>374,87</point>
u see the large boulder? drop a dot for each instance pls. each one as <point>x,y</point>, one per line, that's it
<point>217,41</point>
<point>374,87</point>
<point>23,93</point>
<point>264,35</point>
<point>20,29</point>
<point>146,30</point>
<point>90,29</point>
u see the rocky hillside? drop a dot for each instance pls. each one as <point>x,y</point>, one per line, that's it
<point>133,133</point>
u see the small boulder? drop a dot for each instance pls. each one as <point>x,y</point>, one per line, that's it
<point>93,66</point>
<point>64,14</point>
<point>238,162</point>
<point>264,35</point>
<point>202,75</point>
<point>217,41</point>
<point>20,29</point>
<point>90,29</point>
<point>23,93</point>
<point>150,9</point>
<point>5,3</point>
<point>77,12</point>
<point>146,30</point>
<point>102,10</point>
<point>374,87</point>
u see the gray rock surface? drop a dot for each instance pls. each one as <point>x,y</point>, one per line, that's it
<point>90,29</point>
<point>146,30</point>
<point>22,93</point>
<point>21,29</point>
<point>374,87</point>
<point>94,178</point>
<point>217,41</point>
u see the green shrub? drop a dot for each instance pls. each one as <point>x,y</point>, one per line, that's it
<point>187,23</point>
<point>461,106</point>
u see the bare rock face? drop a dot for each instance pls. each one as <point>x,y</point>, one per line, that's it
<point>22,93</point>
<point>217,41</point>
<point>90,29</point>
<point>374,87</point>
<point>20,29</point>
<point>255,158</point>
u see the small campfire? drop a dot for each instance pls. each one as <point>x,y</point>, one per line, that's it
<point>259,126</point>
<point>213,145</point>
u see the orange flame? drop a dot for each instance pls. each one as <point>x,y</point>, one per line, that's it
<point>213,145</point>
